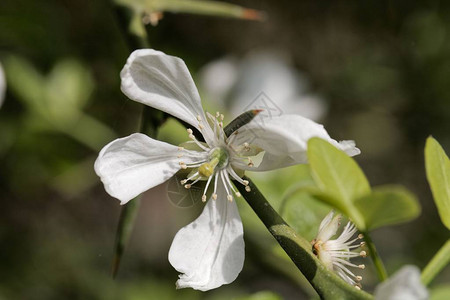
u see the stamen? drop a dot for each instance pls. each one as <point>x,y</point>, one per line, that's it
<point>363,253</point>
<point>247,188</point>
<point>206,188</point>
<point>225,185</point>
<point>216,178</point>
<point>230,198</point>
<point>199,118</point>
<point>187,186</point>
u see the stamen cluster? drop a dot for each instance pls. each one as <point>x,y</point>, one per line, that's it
<point>336,254</point>
<point>215,159</point>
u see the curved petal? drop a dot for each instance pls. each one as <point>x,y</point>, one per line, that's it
<point>210,251</point>
<point>284,140</point>
<point>163,82</point>
<point>134,164</point>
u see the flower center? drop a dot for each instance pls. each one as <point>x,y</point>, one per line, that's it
<point>217,159</point>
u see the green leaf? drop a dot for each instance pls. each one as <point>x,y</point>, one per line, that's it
<point>440,293</point>
<point>438,173</point>
<point>339,178</point>
<point>263,295</point>
<point>388,205</point>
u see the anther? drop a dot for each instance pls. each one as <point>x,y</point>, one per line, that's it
<point>230,198</point>
<point>180,148</point>
<point>184,167</point>
<point>222,117</point>
<point>362,244</point>
<point>247,188</point>
<point>183,181</point>
<point>191,136</point>
<point>199,118</point>
<point>187,186</point>
<point>214,196</point>
<point>238,194</point>
<point>200,126</point>
<point>363,253</point>
<point>245,182</point>
<point>204,198</point>
<point>189,131</point>
<point>360,236</point>
<point>217,114</point>
<point>357,287</point>
<point>358,278</point>
<point>362,267</point>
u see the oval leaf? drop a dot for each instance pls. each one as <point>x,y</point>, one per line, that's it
<point>339,176</point>
<point>388,205</point>
<point>438,174</point>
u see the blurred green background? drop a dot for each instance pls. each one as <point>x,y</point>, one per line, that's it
<point>377,71</point>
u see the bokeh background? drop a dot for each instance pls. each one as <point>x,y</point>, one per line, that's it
<point>377,72</point>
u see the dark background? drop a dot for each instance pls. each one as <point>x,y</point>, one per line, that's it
<point>383,68</point>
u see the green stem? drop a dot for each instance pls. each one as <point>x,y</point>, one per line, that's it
<point>379,266</point>
<point>326,283</point>
<point>436,264</point>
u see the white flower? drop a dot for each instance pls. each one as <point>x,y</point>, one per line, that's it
<point>210,251</point>
<point>336,254</point>
<point>2,85</point>
<point>405,284</point>
<point>239,81</point>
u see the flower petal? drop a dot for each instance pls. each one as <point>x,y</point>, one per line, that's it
<point>210,251</point>
<point>328,227</point>
<point>284,139</point>
<point>131,165</point>
<point>405,284</point>
<point>163,82</point>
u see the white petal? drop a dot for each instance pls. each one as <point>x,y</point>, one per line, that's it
<point>210,251</point>
<point>328,226</point>
<point>134,164</point>
<point>405,284</point>
<point>163,82</point>
<point>284,139</point>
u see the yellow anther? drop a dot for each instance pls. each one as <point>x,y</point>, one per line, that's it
<point>214,196</point>
<point>230,198</point>
<point>187,186</point>
<point>245,182</point>
<point>247,188</point>
<point>238,194</point>
<point>359,278</point>
<point>362,267</point>
<point>363,253</point>
<point>360,236</point>
<point>189,131</point>
<point>199,118</point>
<point>204,198</point>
